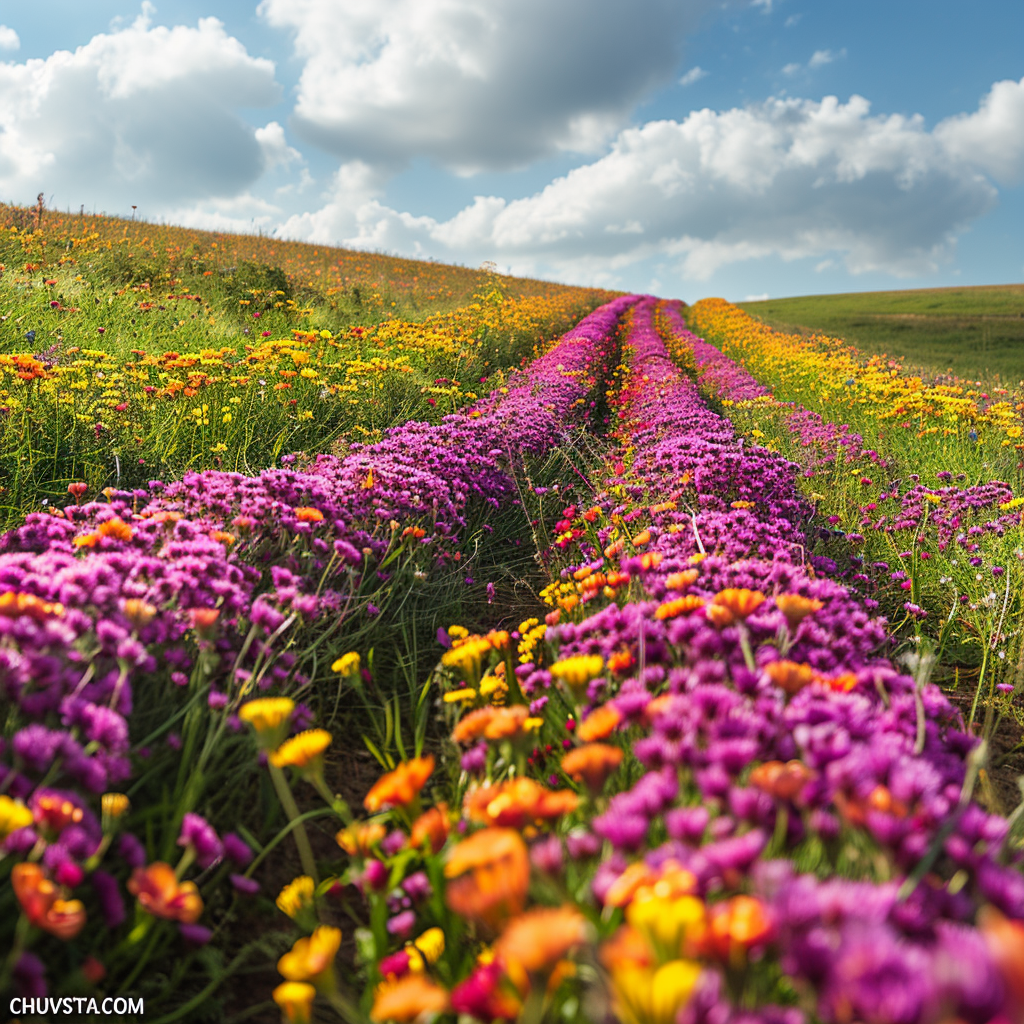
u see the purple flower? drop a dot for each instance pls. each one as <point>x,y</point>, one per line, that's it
<point>200,835</point>
<point>237,850</point>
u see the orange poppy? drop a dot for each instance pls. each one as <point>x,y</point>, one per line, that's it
<point>518,802</point>
<point>599,724</point>
<point>431,828</point>
<point>401,786</point>
<point>790,676</point>
<point>796,608</point>
<point>40,899</point>
<point>681,580</point>
<point>782,780</point>
<point>733,603</point>
<point>488,874</point>
<point>407,998</point>
<point>736,925</point>
<point>161,894</point>
<point>678,606</point>
<point>359,838</point>
<point>592,764</point>
<point>534,942</point>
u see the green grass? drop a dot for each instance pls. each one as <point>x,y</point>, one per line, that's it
<point>977,333</point>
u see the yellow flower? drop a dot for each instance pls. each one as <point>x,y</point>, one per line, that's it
<point>304,752</point>
<point>114,805</point>
<point>295,998</point>
<point>576,672</point>
<point>347,664</point>
<point>13,815</point>
<point>464,695</point>
<point>296,896</point>
<point>648,996</point>
<point>312,959</point>
<point>431,945</point>
<point>269,717</point>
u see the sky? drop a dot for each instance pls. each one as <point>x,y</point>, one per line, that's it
<point>742,148</point>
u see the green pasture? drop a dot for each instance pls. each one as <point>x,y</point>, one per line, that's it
<point>977,332</point>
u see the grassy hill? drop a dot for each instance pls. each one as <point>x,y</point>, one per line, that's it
<point>976,333</point>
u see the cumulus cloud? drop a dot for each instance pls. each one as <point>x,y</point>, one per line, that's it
<point>695,74</point>
<point>476,84</point>
<point>993,137</point>
<point>9,39</point>
<point>142,115</point>
<point>822,57</point>
<point>788,178</point>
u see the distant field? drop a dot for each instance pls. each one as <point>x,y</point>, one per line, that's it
<point>975,332</point>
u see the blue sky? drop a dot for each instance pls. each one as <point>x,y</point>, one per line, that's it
<point>685,147</point>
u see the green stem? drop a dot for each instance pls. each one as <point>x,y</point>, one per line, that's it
<point>291,809</point>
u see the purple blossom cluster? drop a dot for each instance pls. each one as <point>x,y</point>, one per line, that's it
<point>108,606</point>
<point>780,747</point>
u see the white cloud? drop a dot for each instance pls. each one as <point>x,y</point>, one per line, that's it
<point>818,60</point>
<point>276,151</point>
<point>9,39</point>
<point>789,178</point>
<point>475,84</point>
<point>763,297</point>
<point>695,74</point>
<point>992,137</point>
<point>144,115</point>
<point>822,57</point>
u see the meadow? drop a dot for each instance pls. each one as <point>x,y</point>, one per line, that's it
<point>973,332</point>
<point>580,657</point>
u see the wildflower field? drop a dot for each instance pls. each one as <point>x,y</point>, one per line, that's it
<point>516,653</point>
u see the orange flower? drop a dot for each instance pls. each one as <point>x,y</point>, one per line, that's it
<point>784,781</point>
<point>222,537</point>
<point>40,899</point>
<point>493,723</point>
<point>473,725</point>
<point>305,514</point>
<point>620,662</point>
<point>161,894</point>
<point>599,724</point>
<point>488,874</point>
<point>203,620</point>
<point>14,604</point>
<point>681,580</point>
<point>535,941</point>
<point>518,802</point>
<point>138,612</point>
<point>678,606</point>
<point>732,604</point>
<point>54,813</point>
<point>669,881</point>
<point>743,504</point>
<point>642,538</point>
<point>359,838</point>
<point>1005,940</point>
<point>115,528</point>
<point>736,925</point>
<point>614,549</point>
<point>407,998</point>
<point>431,828</point>
<point>592,764</point>
<point>790,676</point>
<point>796,608</point>
<point>400,787</point>
<point>650,560</point>
<point>416,532</point>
